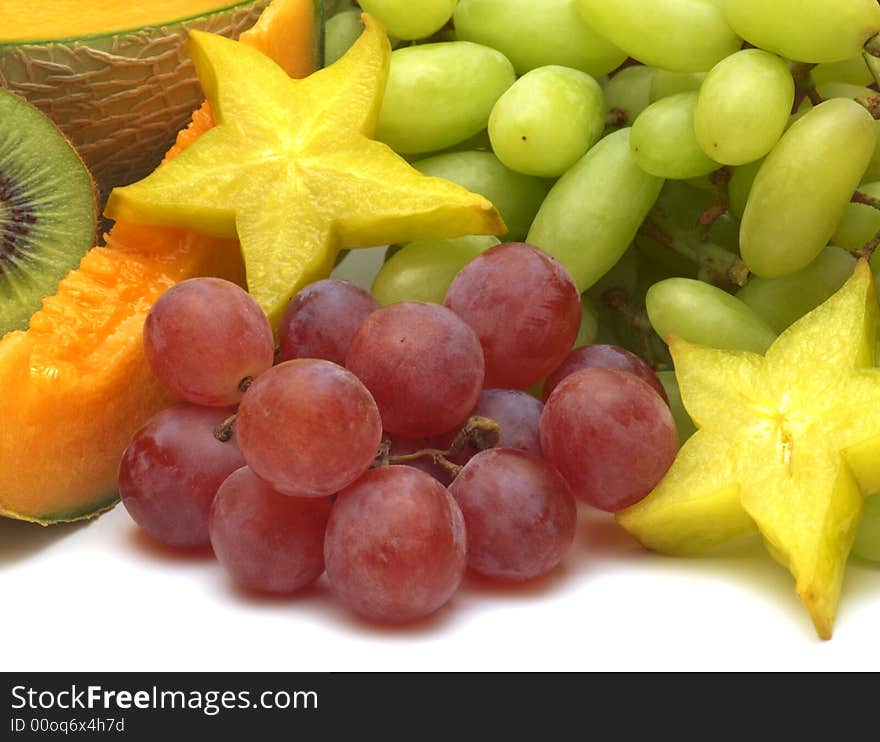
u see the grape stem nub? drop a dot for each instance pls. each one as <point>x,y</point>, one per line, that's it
<point>223,432</point>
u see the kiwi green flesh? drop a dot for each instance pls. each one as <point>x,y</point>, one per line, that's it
<point>47,210</point>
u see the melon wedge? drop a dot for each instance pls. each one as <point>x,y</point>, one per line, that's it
<point>76,384</point>
<point>114,77</point>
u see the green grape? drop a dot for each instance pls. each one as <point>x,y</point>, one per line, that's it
<point>630,91</point>
<point>676,35</point>
<point>518,197</point>
<point>535,34</point>
<point>867,543</point>
<point>744,107</point>
<point>666,83</point>
<point>664,141</point>
<point>837,89</point>
<point>408,20</point>
<point>547,120</point>
<point>860,222</point>
<point>589,328</point>
<point>340,32</point>
<point>803,187</point>
<point>683,423</point>
<point>592,213</point>
<point>805,30</point>
<point>740,185</point>
<point>440,94</point>
<point>706,315</point>
<point>782,301</point>
<point>854,71</point>
<point>422,271</point>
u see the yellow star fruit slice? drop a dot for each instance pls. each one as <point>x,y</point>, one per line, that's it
<point>788,444</point>
<point>291,170</point>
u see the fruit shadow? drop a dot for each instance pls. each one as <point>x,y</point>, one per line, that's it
<point>318,600</point>
<point>20,539</point>
<point>144,544</point>
<point>745,562</point>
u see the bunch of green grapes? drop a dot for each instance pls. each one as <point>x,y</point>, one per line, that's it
<point>708,168</point>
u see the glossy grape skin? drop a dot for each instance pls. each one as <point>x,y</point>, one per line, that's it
<point>523,306</point>
<point>853,71</point>
<point>664,141</point>
<point>395,548</point>
<point>203,336</point>
<point>547,120</point>
<point>677,35</point>
<point>782,301</point>
<point>801,191</point>
<point>265,540</point>
<point>408,20</point>
<point>516,196</point>
<point>519,514</point>
<point>603,356</point>
<point>706,315</point>
<point>867,543</point>
<point>743,106</point>
<point>171,470</point>
<point>308,427</point>
<point>422,271</point>
<point>610,435</point>
<point>805,30</point>
<point>466,80</point>
<point>422,364</point>
<point>534,34</point>
<point>600,202</point>
<point>321,320</point>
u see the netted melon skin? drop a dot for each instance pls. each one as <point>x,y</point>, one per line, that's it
<point>121,99</point>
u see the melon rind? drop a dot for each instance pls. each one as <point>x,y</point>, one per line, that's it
<point>120,98</point>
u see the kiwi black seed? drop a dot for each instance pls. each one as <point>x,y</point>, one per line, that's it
<point>48,213</point>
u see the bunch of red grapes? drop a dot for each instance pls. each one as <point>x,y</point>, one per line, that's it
<point>392,447</point>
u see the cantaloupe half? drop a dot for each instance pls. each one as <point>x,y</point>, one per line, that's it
<point>75,385</point>
<point>114,76</point>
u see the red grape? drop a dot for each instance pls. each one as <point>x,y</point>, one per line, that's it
<point>395,545</point>
<point>519,513</point>
<point>321,320</point>
<point>171,470</point>
<point>604,356</point>
<point>422,364</point>
<point>204,337</point>
<point>266,540</point>
<point>610,435</point>
<point>308,427</point>
<point>518,415</point>
<point>525,309</point>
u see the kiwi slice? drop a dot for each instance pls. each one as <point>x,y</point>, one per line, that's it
<point>48,212</point>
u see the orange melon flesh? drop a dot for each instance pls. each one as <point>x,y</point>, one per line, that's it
<point>76,383</point>
<point>49,20</point>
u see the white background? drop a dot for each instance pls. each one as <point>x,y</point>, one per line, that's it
<point>102,596</point>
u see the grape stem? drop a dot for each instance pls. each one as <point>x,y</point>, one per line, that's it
<point>223,432</point>
<point>872,45</point>
<point>867,250</point>
<point>805,86</point>
<point>617,300</point>
<point>720,179</point>
<point>723,267</point>
<point>872,103</point>
<point>479,432</point>
<point>860,197</point>
<point>616,117</point>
